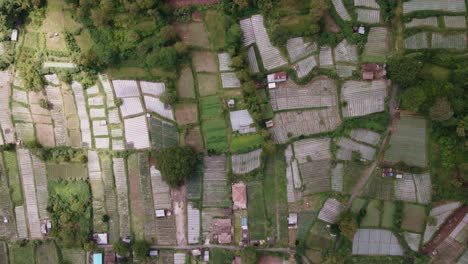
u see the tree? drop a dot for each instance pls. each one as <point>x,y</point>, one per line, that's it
<point>249,255</point>
<point>141,248</point>
<point>441,110</point>
<point>462,126</point>
<point>348,224</point>
<point>404,70</point>
<point>166,58</point>
<point>413,98</point>
<point>241,4</point>
<point>175,163</point>
<point>181,49</point>
<point>168,33</point>
<point>237,62</point>
<point>121,248</point>
<point>317,8</point>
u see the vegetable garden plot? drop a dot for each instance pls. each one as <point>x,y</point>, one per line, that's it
<point>312,149</point>
<point>405,189</point>
<point>97,189</point>
<point>345,52</point>
<point>74,256</point>
<point>455,21</point>
<point>414,217</point>
<point>448,251</point>
<point>163,134</point>
<point>376,242</point>
<point>125,88</point>
<point>53,64</point>
<point>307,122</point>
<point>204,61</point>
<point>347,146</point>
<point>166,230</point>
<point>186,114</point>
<point>337,178</point>
<point>215,188</point>
<point>361,98</point>
<point>298,49</point>
<point>93,90</point>
<point>289,175</point>
<point>21,225</point>
<point>5,114</point>
<point>368,16</point>
<point>179,258</point>
<point>372,216</point>
<point>224,61</point>
<point>256,210</point>
<point>146,193</point>
<point>230,80</point>
<point>440,214</point>
<point>52,78</point>
<point>366,136</point>
<point>449,41</point>
<point>3,253</point>
<point>41,186</point>
<point>136,205</point>
<point>377,43</point>
<point>111,199</point>
<point>326,57</point>
<point>96,113</point>
<point>122,195</point>
<point>136,133</point>
<point>8,230</point>
<point>27,179</point>
<point>25,132</point>
<point>420,22</point>
<point>253,64</point>
<point>82,114</point>
<point>96,101</point>
<point>245,163</point>
<point>423,187</point>
<point>345,71</point>
<point>185,84</point>
<point>315,177</point>
<point>55,98</point>
<point>434,5</point>
<point>193,34</point>
<point>160,189</point>
<point>193,224</point>
<point>380,188</point>
<point>388,213</point>
<point>331,210</point>
<point>319,92</point>
<point>194,139</point>
<point>66,171</point>
<point>341,10</point>
<point>100,128</point>
<point>194,184</point>
<point>114,117</point>
<point>152,88</point>
<point>408,143</point>
<point>110,99</point>
<point>20,96</point>
<point>155,105</point>
<point>215,134</point>
<point>248,35</point>
<point>46,253</point>
<point>21,113</point>
<point>367,3</point>
<point>131,106</point>
<point>305,66</point>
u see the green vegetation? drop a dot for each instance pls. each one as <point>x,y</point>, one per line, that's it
<point>221,256</point>
<point>413,217</point>
<point>215,25</point>
<point>347,223</point>
<point>215,134</point>
<point>210,107</point>
<point>163,134</point>
<point>66,171</point>
<point>22,253</point>
<point>46,253</point>
<point>353,172</point>
<point>387,215</point>
<point>141,249</point>
<point>357,205</point>
<point>372,217</point>
<point>11,166</point>
<point>256,210</point>
<point>175,163</point>
<point>244,143</point>
<point>70,212</point>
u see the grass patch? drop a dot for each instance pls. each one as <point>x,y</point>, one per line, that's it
<point>221,256</point>
<point>185,84</point>
<point>319,237</point>
<point>214,22</point>
<point>22,255</point>
<point>84,40</point>
<point>413,217</point>
<point>11,166</point>
<point>353,172</point>
<point>357,205</point>
<point>139,73</point>
<point>192,34</point>
<point>66,171</point>
<point>431,71</point>
<point>74,256</point>
<point>245,143</point>
<point>305,220</point>
<point>372,217</point>
<point>256,211</point>
<point>46,253</point>
<point>387,215</point>
<point>210,108</point>
<point>207,84</point>
<point>215,134</point>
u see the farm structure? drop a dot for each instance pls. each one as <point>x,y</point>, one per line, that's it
<point>248,162</point>
<point>419,22</point>
<point>320,92</point>
<point>377,44</point>
<point>242,122</point>
<point>298,49</point>
<point>417,41</point>
<point>408,143</point>
<point>305,66</point>
<point>331,210</point>
<point>449,41</point>
<point>348,146</point>
<point>326,57</point>
<point>434,5</point>
<point>345,52</point>
<point>312,149</point>
<point>341,10</point>
<point>5,113</point>
<point>306,122</point>
<point>193,224</point>
<point>215,184</point>
<point>440,214</point>
<point>254,31</point>
<point>361,98</point>
<point>368,16</point>
<point>455,21</point>
<point>367,3</point>
<point>365,136</point>
<point>376,242</point>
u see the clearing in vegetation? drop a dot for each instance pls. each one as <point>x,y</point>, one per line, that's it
<point>215,23</point>
<point>22,255</point>
<point>408,143</point>
<point>256,211</point>
<point>194,139</point>
<point>414,217</point>
<point>204,61</point>
<point>46,253</point>
<point>186,113</point>
<point>185,84</point>
<point>207,84</point>
<point>192,34</point>
<point>372,217</point>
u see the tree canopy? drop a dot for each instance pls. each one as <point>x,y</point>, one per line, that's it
<point>175,163</point>
<point>348,225</point>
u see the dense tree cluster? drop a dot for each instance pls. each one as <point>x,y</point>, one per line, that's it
<point>175,163</point>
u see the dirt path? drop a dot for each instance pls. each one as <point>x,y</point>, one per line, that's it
<point>180,211</point>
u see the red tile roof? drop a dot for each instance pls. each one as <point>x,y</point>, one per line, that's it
<point>239,196</point>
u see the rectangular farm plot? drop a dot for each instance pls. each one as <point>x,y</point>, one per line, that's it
<point>414,217</point>
<point>341,10</point>
<point>298,49</point>
<point>448,41</point>
<point>455,21</point>
<point>192,34</point>
<point>185,84</point>
<point>163,134</point>
<point>253,63</point>
<point>210,108</point>
<point>194,139</point>
<point>434,5</point>
<point>204,61</point>
<point>376,242</point>
<point>367,3</point>
<point>315,176</point>
<point>146,194</point>
<point>131,106</point>
<point>137,209</point>
<point>408,143</point>
<point>387,215</point>
<point>215,134</point>
<point>230,80</point>
<point>122,196</point>
<point>345,52</point>
<point>348,146</point>
<point>377,45</point>
<point>193,224</point>
<point>224,62</point>
<point>125,88</point>
<point>361,98</point>
<point>405,189</point>
<point>66,171</point>
<point>248,162</point>
<point>326,57</point>
<point>161,191</point>
<point>319,92</point>
<point>312,149</point>
<point>136,133</point>
<point>305,66</point>
<point>207,84</point>
<point>307,122</point>
<point>417,41</point>
<point>256,210</point>
<point>215,188</point>
<point>155,105</point>
<point>331,210</point>
<point>366,136</point>
<point>372,217</point>
<point>380,188</point>
<point>368,16</point>
<point>186,114</point>
<point>353,173</point>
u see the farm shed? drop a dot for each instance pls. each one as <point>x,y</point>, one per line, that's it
<point>239,196</point>
<point>247,162</point>
<point>193,227</point>
<point>277,77</point>
<point>14,35</point>
<point>331,210</point>
<point>241,122</point>
<point>101,238</point>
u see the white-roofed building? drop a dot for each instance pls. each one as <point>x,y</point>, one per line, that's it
<point>242,122</point>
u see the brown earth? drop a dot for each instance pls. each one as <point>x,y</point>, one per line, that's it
<point>186,114</point>
<point>330,23</point>
<point>181,3</point>
<point>194,139</point>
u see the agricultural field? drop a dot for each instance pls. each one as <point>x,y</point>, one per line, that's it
<point>413,217</point>
<point>66,171</point>
<point>22,255</point>
<point>215,27</point>
<point>319,237</point>
<point>215,134</point>
<point>408,144</point>
<point>210,108</point>
<point>11,167</point>
<point>256,211</point>
<point>186,114</point>
<point>3,253</point>
<point>315,176</point>
<point>243,143</point>
<point>353,172</point>
<point>215,184</point>
<point>46,253</point>
<point>74,256</point>
<point>185,84</point>
<point>387,215</point>
<point>372,217</point>
<point>194,138</point>
<point>207,84</point>
<point>204,61</point>
<point>192,34</point>
<point>163,133</point>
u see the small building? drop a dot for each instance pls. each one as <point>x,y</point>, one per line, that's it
<point>160,213</point>
<point>46,226</point>
<point>222,230</point>
<point>101,238</point>
<point>239,196</point>
<point>196,252</point>
<point>231,103</point>
<point>271,85</point>
<point>244,223</point>
<point>371,71</point>
<point>206,256</point>
<point>242,122</point>
<point>153,253</point>
<point>98,258</point>
<point>109,257</point>
<point>361,30</point>
<point>277,77</point>
<point>269,123</point>
<point>292,221</point>
<point>14,35</point>
<point>387,172</point>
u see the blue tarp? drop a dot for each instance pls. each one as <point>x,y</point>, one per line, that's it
<point>97,258</point>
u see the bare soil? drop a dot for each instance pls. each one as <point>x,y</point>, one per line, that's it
<point>204,61</point>
<point>330,23</point>
<point>45,135</point>
<point>186,114</point>
<point>194,139</point>
<point>181,3</point>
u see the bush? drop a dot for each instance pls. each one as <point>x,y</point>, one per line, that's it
<point>175,163</point>
<point>404,70</point>
<point>141,248</point>
<point>121,248</point>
